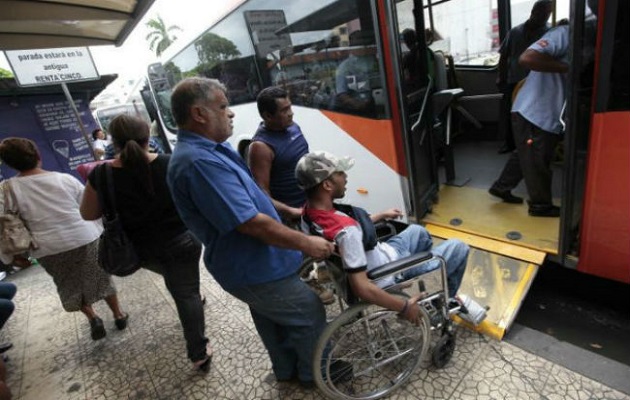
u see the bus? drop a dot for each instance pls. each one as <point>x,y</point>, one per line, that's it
<point>432,150</point>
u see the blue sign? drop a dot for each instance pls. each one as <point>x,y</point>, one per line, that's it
<point>48,120</point>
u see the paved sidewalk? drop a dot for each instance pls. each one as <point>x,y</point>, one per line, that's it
<point>54,358</point>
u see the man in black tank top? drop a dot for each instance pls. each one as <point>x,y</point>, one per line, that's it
<point>274,152</point>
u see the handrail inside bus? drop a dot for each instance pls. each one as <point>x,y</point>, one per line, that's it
<point>424,105</point>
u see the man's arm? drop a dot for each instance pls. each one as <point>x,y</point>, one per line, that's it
<point>541,62</point>
<point>271,232</point>
<point>365,289</point>
<point>350,247</point>
<point>260,159</point>
<point>392,213</point>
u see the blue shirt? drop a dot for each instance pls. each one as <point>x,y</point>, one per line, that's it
<point>288,145</point>
<point>214,193</point>
<point>542,96</point>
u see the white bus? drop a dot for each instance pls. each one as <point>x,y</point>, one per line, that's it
<point>436,159</point>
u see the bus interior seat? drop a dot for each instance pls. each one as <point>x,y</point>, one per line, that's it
<point>445,98</point>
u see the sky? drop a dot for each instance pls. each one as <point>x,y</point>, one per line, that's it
<point>132,58</point>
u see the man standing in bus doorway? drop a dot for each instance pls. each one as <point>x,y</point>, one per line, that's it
<point>274,152</point>
<point>246,245</point>
<point>536,123</point>
<point>511,72</point>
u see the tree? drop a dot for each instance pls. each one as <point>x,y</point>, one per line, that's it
<point>161,36</point>
<point>5,73</point>
<point>212,49</point>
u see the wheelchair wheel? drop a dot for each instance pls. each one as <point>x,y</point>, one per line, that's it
<point>367,352</point>
<point>443,350</point>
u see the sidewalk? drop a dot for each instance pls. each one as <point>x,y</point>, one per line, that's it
<point>54,357</point>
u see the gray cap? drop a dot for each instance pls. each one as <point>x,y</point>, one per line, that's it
<point>314,168</point>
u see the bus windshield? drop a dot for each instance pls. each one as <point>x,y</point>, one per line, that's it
<point>323,53</point>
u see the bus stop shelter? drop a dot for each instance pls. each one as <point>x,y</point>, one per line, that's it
<point>29,24</point>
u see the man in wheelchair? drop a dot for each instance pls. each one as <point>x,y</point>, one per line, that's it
<point>323,177</point>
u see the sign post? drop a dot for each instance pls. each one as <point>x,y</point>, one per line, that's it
<point>42,67</point>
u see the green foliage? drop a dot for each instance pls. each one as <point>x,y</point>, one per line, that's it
<point>212,49</point>
<point>4,73</point>
<point>161,36</point>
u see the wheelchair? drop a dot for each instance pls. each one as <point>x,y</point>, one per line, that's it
<point>366,351</point>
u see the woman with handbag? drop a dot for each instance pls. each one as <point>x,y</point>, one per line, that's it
<point>48,203</point>
<point>148,216</point>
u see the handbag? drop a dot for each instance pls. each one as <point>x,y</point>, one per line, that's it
<point>116,254</point>
<point>15,238</point>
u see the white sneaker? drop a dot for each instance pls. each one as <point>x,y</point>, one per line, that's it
<point>2,275</point>
<point>472,311</point>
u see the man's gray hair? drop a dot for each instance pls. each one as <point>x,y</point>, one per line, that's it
<point>191,91</point>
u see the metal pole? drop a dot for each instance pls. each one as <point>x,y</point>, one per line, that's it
<point>78,117</point>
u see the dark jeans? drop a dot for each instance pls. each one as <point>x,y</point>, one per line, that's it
<point>505,116</point>
<point>531,162</point>
<point>177,260</point>
<point>7,291</point>
<point>289,318</point>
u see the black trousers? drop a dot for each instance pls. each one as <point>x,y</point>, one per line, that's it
<point>531,162</point>
<point>505,116</point>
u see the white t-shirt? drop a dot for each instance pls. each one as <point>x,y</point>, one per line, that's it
<point>100,144</point>
<point>49,204</point>
<point>350,243</point>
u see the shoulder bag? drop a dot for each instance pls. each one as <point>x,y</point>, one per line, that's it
<point>116,254</point>
<point>15,238</point>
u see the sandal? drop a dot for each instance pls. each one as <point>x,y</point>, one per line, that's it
<point>121,323</point>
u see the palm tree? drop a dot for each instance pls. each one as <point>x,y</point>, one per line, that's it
<point>161,36</point>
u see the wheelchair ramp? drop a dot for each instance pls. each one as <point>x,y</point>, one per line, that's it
<point>498,275</point>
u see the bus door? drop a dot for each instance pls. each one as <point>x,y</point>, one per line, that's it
<point>500,270</point>
<point>415,88</point>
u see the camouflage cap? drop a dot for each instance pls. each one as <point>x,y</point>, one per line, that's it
<point>314,168</point>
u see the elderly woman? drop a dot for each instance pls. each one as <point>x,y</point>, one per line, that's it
<point>49,205</point>
<point>149,218</point>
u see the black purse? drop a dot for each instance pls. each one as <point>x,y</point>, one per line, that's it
<point>116,254</point>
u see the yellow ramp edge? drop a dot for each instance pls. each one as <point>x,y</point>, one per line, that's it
<point>498,275</point>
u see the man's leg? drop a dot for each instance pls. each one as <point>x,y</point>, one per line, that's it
<point>289,318</point>
<point>7,291</point>
<point>536,163</point>
<point>455,253</point>
<point>512,173</point>
<point>413,240</point>
<point>505,123</point>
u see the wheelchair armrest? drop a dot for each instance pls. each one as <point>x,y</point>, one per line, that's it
<point>399,265</point>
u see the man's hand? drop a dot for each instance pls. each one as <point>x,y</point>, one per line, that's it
<point>392,213</point>
<point>318,247</point>
<point>293,214</point>
<point>413,313</point>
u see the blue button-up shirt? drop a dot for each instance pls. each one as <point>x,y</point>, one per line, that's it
<point>214,193</point>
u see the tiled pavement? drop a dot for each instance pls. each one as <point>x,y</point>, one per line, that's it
<point>54,358</point>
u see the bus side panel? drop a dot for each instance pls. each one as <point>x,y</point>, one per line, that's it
<point>605,235</point>
<point>373,182</point>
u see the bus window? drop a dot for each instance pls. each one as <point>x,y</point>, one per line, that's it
<point>468,30</point>
<point>323,53</point>
<point>327,59</point>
